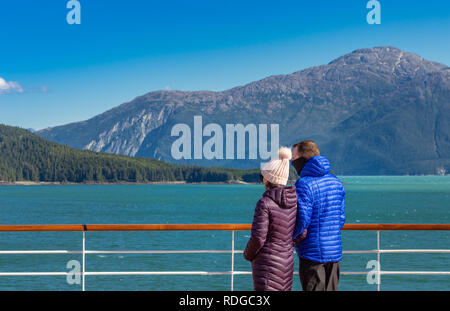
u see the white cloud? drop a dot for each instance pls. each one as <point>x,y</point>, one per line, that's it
<point>9,87</point>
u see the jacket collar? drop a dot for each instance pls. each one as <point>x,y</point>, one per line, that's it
<point>284,196</point>
<point>315,167</point>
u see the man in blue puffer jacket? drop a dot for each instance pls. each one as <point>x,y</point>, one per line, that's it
<point>320,217</point>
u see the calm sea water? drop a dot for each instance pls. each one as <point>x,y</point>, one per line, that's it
<point>369,200</point>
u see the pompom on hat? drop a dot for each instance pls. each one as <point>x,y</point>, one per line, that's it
<point>277,170</point>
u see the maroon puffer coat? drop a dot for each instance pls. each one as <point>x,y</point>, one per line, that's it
<point>270,247</point>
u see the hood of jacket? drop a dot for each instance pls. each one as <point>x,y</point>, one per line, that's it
<point>285,197</point>
<point>316,166</point>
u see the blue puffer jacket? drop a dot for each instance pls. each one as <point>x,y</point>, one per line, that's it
<point>321,210</point>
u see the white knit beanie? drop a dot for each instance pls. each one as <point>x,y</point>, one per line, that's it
<point>277,171</point>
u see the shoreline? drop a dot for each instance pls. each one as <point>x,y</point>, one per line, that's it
<point>45,183</point>
<point>231,182</point>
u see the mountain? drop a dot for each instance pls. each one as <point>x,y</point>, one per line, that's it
<point>373,111</point>
<point>25,156</point>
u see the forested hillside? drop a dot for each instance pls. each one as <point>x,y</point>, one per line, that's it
<point>25,156</point>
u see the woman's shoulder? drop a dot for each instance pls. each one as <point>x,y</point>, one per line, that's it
<point>264,202</point>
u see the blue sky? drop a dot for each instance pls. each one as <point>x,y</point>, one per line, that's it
<point>58,73</point>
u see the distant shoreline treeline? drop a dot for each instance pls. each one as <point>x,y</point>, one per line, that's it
<point>25,156</point>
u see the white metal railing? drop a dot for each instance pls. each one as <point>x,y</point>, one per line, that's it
<point>232,272</point>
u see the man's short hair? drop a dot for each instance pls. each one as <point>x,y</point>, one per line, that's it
<point>307,149</point>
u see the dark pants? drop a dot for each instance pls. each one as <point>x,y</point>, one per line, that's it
<point>316,276</point>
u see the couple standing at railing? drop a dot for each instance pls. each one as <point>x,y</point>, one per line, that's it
<point>308,216</point>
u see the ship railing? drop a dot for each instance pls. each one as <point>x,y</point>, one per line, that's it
<point>209,227</point>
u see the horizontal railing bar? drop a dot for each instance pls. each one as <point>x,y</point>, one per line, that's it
<point>415,272</point>
<point>400,251</point>
<point>361,252</point>
<point>163,252</point>
<point>35,273</point>
<point>122,273</point>
<point>209,227</point>
<point>120,252</point>
<point>249,272</point>
<point>143,273</point>
<point>390,251</point>
<point>355,272</point>
<point>40,252</point>
<point>399,272</point>
<point>99,273</point>
<point>170,227</point>
<point>393,227</point>
<point>19,228</point>
<point>156,273</point>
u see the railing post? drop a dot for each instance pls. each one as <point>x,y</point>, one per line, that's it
<point>83,261</point>
<point>232,260</point>
<point>379,262</point>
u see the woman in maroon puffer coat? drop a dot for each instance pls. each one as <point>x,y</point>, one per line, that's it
<point>270,248</point>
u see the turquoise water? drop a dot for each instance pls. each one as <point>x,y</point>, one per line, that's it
<point>369,200</point>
